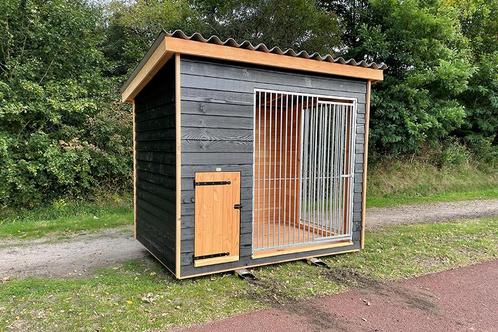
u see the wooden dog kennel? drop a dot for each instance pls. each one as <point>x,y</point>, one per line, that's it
<point>246,156</point>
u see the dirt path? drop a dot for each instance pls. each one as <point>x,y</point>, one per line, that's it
<point>463,299</point>
<point>406,214</point>
<point>74,256</point>
<point>80,254</point>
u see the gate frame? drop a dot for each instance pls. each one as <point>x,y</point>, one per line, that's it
<point>332,242</point>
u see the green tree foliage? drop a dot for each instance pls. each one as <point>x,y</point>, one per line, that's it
<point>132,27</point>
<point>479,21</point>
<point>60,134</point>
<point>297,24</point>
<point>64,132</point>
<point>429,67</point>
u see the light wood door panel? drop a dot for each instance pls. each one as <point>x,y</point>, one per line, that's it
<point>217,221</point>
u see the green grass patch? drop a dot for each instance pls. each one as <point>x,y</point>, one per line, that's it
<point>63,217</point>
<point>396,182</point>
<point>140,295</point>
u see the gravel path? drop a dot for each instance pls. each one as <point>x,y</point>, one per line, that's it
<point>79,255</point>
<point>407,214</point>
<point>462,299</point>
<point>72,257</point>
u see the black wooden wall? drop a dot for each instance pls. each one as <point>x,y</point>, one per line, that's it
<point>155,166</point>
<point>217,132</point>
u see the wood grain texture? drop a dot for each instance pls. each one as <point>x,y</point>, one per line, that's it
<point>230,147</point>
<point>154,169</point>
<point>178,163</point>
<point>217,223</point>
<point>365,168</point>
<point>192,47</point>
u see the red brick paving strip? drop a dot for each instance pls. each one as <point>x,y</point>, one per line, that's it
<point>463,299</point>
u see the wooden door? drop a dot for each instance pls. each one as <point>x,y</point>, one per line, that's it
<point>217,217</point>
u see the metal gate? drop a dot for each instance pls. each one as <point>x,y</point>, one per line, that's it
<point>303,169</point>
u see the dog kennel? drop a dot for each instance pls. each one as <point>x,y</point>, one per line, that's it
<point>246,156</point>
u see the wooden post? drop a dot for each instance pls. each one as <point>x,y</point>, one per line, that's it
<point>178,160</point>
<point>134,171</point>
<point>365,167</point>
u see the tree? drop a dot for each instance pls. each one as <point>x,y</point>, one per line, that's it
<point>298,24</point>
<point>429,67</point>
<point>132,27</point>
<point>479,23</point>
<point>60,134</point>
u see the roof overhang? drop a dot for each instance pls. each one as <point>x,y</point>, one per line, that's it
<point>166,46</point>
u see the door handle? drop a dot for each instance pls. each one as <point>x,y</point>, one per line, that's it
<point>237,206</point>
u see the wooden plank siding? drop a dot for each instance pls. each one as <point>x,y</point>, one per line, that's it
<point>155,166</point>
<point>217,132</point>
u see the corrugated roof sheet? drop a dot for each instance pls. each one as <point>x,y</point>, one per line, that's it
<point>277,50</point>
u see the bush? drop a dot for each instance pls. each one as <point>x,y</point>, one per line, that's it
<point>60,132</point>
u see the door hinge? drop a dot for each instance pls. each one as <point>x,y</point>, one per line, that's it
<point>220,254</point>
<point>211,183</point>
<point>237,206</point>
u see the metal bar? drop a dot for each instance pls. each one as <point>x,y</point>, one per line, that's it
<point>298,209</point>
<point>341,169</point>
<point>265,180</point>
<point>294,175</point>
<point>319,169</point>
<point>280,169</point>
<point>336,164</point>
<point>324,172</point>
<point>259,173</point>
<point>285,168</point>
<point>315,164</point>
<point>327,170</point>
<point>331,168</point>
<point>309,174</point>
<point>274,172</point>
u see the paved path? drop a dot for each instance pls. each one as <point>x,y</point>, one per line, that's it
<point>464,299</point>
<point>80,254</point>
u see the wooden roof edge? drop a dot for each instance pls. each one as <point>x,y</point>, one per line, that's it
<point>165,46</point>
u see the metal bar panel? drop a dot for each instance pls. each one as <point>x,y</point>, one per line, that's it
<point>308,196</point>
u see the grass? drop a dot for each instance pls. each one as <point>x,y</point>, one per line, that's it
<point>390,183</point>
<point>139,295</point>
<point>66,217</point>
<point>396,182</point>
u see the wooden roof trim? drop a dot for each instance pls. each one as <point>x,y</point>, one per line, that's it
<point>167,46</point>
<point>146,70</point>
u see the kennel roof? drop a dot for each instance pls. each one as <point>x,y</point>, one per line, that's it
<point>169,43</point>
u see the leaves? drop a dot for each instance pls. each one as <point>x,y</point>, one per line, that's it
<point>53,96</point>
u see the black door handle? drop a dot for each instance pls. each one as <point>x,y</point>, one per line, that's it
<point>237,206</point>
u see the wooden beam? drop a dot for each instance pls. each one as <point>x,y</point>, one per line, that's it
<point>178,134</point>
<point>156,60</point>
<point>165,47</point>
<point>303,248</point>
<point>215,260</point>
<point>268,263</point>
<point>134,171</point>
<point>365,168</point>
<point>229,53</point>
